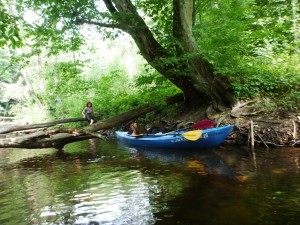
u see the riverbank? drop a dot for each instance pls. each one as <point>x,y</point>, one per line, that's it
<point>255,124</point>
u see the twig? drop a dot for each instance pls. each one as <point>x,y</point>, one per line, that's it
<point>252,134</point>
<point>220,121</point>
<point>235,111</point>
<point>272,143</point>
<point>276,133</point>
<point>295,130</point>
<point>297,142</point>
<point>262,140</point>
<point>98,135</point>
<point>267,121</point>
<point>241,105</point>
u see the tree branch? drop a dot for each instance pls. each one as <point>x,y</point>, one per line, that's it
<point>183,23</point>
<point>5,130</point>
<point>106,25</point>
<point>110,6</point>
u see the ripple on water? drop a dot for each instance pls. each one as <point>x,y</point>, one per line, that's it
<point>121,198</point>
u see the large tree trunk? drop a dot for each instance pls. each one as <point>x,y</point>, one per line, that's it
<point>195,77</point>
<point>211,87</point>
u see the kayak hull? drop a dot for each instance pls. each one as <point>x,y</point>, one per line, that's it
<point>210,138</point>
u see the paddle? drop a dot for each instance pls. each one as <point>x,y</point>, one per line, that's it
<point>137,135</point>
<point>193,135</point>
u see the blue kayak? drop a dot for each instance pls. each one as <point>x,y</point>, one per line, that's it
<point>210,138</point>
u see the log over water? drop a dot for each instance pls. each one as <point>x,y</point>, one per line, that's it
<point>46,135</point>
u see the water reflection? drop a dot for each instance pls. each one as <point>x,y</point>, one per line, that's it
<point>108,198</point>
<point>85,184</point>
<point>94,182</point>
<point>203,162</point>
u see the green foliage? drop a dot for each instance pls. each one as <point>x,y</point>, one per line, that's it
<point>111,93</point>
<point>228,31</point>
<point>64,85</point>
<point>278,79</point>
<point>161,23</point>
<point>112,90</point>
<point>271,24</point>
<point>9,76</point>
<point>63,78</point>
<point>252,42</point>
<point>58,26</point>
<point>153,87</point>
<point>9,29</point>
<point>8,71</point>
<point>115,89</point>
<point>220,33</point>
<point>68,91</point>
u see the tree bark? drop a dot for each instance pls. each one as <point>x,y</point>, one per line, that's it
<point>13,128</point>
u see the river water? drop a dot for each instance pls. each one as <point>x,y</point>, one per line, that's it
<point>101,182</point>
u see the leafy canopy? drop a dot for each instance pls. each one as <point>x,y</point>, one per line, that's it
<point>253,42</point>
<point>9,29</point>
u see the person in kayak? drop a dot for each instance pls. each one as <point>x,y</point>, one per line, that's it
<point>136,129</point>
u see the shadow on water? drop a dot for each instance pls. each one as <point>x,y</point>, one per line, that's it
<point>213,195</point>
<point>202,162</point>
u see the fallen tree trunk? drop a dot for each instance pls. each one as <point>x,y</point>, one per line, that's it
<point>43,137</point>
<point>8,129</point>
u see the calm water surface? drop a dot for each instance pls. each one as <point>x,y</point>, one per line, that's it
<point>96,182</point>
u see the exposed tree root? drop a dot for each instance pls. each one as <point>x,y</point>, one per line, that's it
<point>284,133</point>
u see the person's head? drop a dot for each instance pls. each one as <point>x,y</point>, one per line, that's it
<point>133,126</point>
<point>89,104</point>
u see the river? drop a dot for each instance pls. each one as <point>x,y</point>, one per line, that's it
<point>101,182</point>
